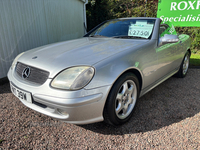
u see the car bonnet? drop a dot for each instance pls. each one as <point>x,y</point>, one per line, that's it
<point>84,51</point>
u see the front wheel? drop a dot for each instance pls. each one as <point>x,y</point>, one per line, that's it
<point>121,100</point>
<point>184,66</point>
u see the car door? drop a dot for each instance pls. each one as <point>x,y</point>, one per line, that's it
<point>167,56</point>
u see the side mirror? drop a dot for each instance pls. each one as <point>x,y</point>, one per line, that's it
<point>168,38</point>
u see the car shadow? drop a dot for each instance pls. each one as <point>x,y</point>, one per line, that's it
<point>4,86</point>
<point>171,102</point>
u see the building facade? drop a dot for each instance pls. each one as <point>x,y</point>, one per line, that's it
<point>26,24</point>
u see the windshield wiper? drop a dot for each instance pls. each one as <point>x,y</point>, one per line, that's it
<point>97,36</point>
<point>129,37</point>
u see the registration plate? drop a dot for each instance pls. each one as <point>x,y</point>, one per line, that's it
<point>22,95</point>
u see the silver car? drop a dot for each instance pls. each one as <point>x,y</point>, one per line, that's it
<point>102,75</point>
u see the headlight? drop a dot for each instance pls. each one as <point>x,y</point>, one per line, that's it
<point>73,78</point>
<point>15,60</point>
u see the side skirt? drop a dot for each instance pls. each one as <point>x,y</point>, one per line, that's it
<point>150,87</point>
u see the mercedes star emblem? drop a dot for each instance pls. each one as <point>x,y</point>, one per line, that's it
<point>26,72</point>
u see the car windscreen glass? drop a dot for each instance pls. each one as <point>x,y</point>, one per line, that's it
<point>127,28</point>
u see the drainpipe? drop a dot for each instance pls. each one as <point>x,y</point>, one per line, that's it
<point>84,16</point>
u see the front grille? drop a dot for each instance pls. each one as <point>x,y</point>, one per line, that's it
<point>36,76</point>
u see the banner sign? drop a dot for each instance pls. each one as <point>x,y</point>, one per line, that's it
<point>182,13</point>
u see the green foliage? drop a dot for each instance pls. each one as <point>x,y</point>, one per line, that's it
<point>194,33</point>
<point>195,59</point>
<point>97,12</point>
<point>132,8</point>
<point>101,10</point>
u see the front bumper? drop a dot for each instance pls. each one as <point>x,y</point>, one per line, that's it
<point>79,107</point>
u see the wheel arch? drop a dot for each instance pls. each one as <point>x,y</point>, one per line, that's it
<point>189,50</point>
<point>136,72</point>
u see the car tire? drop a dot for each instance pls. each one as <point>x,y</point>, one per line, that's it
<point>184,66</point>
<point>121,100</point>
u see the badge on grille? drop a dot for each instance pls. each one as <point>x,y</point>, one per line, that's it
<point>26,72</point>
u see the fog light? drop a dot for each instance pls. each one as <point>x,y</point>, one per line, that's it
<point>63,112</point>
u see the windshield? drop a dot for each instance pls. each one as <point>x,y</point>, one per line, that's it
<point>128,28</point>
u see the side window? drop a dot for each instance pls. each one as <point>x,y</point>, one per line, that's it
<point>167,28</point>
<point>162,29</point>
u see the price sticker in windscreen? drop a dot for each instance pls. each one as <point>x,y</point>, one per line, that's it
<point>143,31</point>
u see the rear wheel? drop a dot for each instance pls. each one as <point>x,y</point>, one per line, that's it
<point>121,100</point>
<point>184,66</point>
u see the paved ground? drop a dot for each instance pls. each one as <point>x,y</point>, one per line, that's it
<point>167,117</point>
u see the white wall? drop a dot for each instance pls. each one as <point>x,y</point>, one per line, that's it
<point>26,24</point>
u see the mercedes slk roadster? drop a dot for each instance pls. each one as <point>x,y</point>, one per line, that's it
<point>100,76</point>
